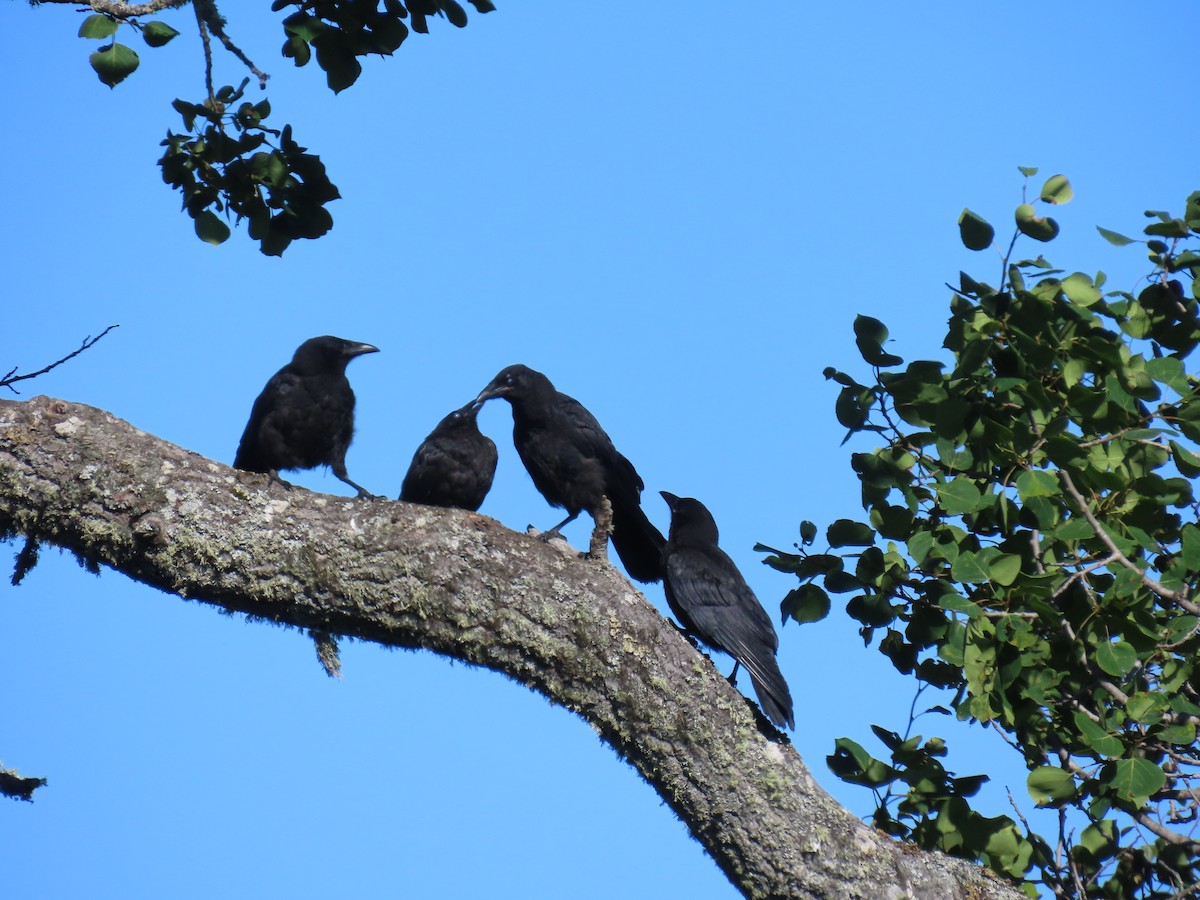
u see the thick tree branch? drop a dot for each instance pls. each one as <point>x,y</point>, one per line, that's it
<point>119,9</point>
<point>464,586</point>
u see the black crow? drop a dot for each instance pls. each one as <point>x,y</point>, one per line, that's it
<point>714,604</point>
<point>304,417</point>
<point>454,466</point>
<point>575,466</point>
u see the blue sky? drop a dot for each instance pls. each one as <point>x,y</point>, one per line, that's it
<point>676,214</point>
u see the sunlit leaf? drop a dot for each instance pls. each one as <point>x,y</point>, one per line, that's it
<point>1057,189</point>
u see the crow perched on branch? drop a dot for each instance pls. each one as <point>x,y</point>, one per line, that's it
<point>304,417</point>
<point>454,466</point>
<point>714,604</point>
<point>575,466</point>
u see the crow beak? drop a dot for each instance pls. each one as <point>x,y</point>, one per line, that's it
<point>671,499</point>
<point>354,350</point>
<point>490,392</point>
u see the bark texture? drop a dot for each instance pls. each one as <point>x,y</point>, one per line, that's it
<point>464,586</point>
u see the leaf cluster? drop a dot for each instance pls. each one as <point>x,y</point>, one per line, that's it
<point>228,168</point>
<point>227,161</point>
<point>340,32</point>
<point>114,62</point>
<point>1031,549</point>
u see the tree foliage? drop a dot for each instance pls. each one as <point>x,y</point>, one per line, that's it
<point>227,163</point>
<point>1031,551</point>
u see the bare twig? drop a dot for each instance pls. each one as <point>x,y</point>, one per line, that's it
<point>207,15</point>
<point>11,377</point>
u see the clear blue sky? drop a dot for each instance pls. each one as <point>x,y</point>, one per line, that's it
<point>675,211</point>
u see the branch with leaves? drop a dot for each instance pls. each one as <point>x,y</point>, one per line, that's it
<point>1031,551</point>
<point>221,168</point>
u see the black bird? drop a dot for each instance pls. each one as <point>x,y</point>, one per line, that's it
<point>714,604</point>
<point>454,466</point>
<point>304,417</point>
<point>575,466</point>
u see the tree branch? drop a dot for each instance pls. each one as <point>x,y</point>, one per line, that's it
<point>11,377</point>
<point>1178,597</point>
<point>463,586</point>
<point>119,9</point>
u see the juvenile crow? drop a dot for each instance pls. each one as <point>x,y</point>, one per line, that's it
<point>304,417</point>
<point>454,466</point>
<point>575,466</point>
<point>715,605</point>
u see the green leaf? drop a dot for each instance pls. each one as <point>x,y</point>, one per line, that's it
<point>210,228</point>
<point>1057,190</point>
<point>1037,483</point>
<point>975,231</point>
<point>850,762</point>
<point>1181,735</point>
<point>1048,784</point>
<point>848,533</point>
<point>1027,171</point>
<point>1186,461</point>
<point>1031,224</point>
<point>1117,659</point>
<point>808,533</point>
<point>1118,240</point>
<point>957,603</point>
<point>1146,707</point>
<point>158,34</point>
<point>1190,544</point>
<point>1080,289</point>
<point>959,495</point>
<point>870,335</point>
<point>114,63</point>
<point>807,603</point>
<point>1134,780</point>
<point>1096,737</point>
<point>1004,569</point>
<point>969,568</point>
<point>97,27</point>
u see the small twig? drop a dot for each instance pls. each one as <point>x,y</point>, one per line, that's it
<point>1171,837</point>
<point>204,39</point>
<point>11,377</point>
<point>1118,556</point>
<point>207,15</point>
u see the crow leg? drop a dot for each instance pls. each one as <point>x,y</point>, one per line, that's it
<point>273,475</point>
<point>340,473</point>
<point>603,515</point>
<point>732,679</point>
<point>556,531</point>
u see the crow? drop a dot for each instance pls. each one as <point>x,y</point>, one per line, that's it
<point>304,417</point>
<point>713,603</point>
<point>575,466</point>
<point>454,466</point>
